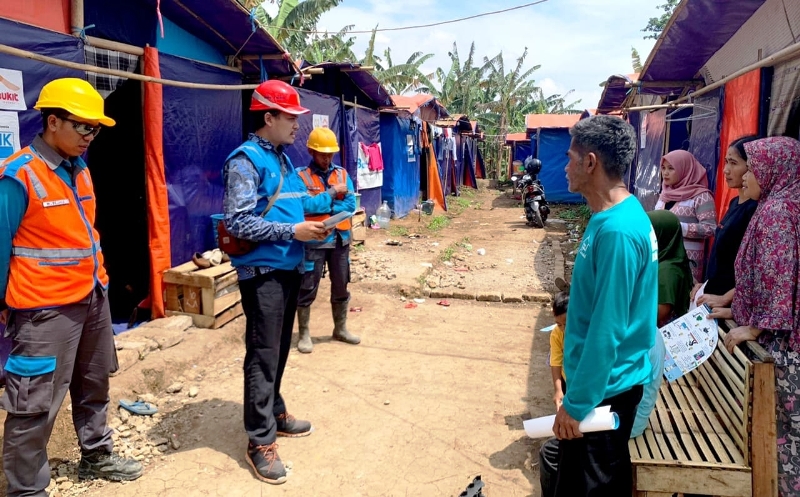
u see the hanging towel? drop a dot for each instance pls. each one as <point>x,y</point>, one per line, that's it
<point>373,152</point>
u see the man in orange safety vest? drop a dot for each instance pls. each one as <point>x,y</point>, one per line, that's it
<point>320,176</point>
<point>53,295</point>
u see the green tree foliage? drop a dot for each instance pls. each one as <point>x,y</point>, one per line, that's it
<point>657,24</point>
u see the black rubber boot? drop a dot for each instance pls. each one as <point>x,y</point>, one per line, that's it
<point>304,345</point>
<point>339,311</point>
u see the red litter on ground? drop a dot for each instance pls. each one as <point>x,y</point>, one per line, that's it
<point>443,303</point>
<point>355,309</point>
<point>411,305</point>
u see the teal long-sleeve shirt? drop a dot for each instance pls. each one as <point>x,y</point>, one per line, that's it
<point>611,322</point>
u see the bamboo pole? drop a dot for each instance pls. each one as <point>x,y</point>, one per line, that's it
<point>113,72</point>
<point>76,16</point>
<point>779,56</point>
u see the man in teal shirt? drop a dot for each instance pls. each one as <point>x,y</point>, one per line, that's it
<point>613,325</point>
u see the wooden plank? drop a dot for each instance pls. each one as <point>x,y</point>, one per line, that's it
<point>228,316</point>
<point>658,437</point>
<point>747,413</point>
<point>633,448</point>
<point>211,322</point>
<point>188,279</point>
<point>665,427</point>
<point>224,282</point>
<point>207,302</point>
<point>652,443</point>
<point>173,299</point>
<point>705,481</point>
<point>713,428</point>
<point>683,433</point>
<point>725,405</point>
<point>226,301</point>
<point>215,271</point>
<point>764,432</point>
<point>681,408</point>
<point>736,378</point>
<point>186,267</point>
<point>191,299</point>
<point>198,320</point>
<point>695,464</point>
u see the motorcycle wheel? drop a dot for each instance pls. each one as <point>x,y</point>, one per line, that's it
<point>537,221</point>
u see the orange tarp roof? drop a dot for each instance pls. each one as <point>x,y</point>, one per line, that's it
<point>534,121</point>
<point>412,102</point>
<point>516,137</point>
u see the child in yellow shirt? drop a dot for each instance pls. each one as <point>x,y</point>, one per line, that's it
<point>560,304</point>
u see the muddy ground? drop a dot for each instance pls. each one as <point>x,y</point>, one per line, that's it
<point>433,396</point>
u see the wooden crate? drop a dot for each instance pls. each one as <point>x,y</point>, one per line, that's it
<point>211,297</point>
<point>359,228</point>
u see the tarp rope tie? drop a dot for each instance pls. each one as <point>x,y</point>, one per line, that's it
<point>253,19</point>
<point>160,18</point>
<point>264,75</point>
<point>82,32</point>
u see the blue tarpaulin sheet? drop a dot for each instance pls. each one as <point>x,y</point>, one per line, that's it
<point>323,106</point>
<point>35,74</point>
<point>363,126</point>
<point>553,146</point>
<point>133,21</point>
<point>400,177</point>
<point>178,41</point>
<point>648,175</point>
<point>201,127</point>
<point>704,144</point>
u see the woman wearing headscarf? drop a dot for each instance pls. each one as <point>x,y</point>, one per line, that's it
<point>717,291</point>
<point>766,303</point>
<point>674,285</point>
<point>685,193</point>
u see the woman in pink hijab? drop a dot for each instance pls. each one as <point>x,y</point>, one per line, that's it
<point>684,192</point>
<point>766,301</point>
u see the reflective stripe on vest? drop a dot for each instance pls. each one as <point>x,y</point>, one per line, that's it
<point>55,256</point>
<point>316,186</point>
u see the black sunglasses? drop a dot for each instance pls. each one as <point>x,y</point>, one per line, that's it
<point>82,129</point>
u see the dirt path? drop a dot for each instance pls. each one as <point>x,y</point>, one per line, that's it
<point>432,397</point>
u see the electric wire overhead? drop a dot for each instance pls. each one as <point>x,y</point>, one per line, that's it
<point>419,26</point>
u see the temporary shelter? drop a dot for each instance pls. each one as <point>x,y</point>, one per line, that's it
<point>158,173</point>
<point>550,141</point>
<point>701,88</point>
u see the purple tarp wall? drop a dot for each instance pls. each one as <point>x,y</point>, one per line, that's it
<point>363,126</point>
<point>320,105</point>
<point>647,185</point>
<point>35,74</point>
<point>201,127</point>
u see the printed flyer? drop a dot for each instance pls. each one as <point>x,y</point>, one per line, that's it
<point>689,340</point>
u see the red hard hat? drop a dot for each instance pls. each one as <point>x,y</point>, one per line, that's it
<point>277,95</point>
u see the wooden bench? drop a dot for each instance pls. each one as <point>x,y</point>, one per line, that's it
<point>705,436</point>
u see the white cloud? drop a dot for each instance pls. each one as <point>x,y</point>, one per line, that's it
<point>578,43</point>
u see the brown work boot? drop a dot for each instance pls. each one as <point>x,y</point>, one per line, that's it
<point>289,426</point>
<point>266,463</point>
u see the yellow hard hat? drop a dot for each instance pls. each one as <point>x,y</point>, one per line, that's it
<point>323,140</point>
<point>77,97</point>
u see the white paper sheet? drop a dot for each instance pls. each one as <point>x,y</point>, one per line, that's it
<point>601,419</point>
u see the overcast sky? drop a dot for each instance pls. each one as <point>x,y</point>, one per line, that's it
<point>578,43</point>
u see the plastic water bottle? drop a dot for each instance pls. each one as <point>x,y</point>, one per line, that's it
<point>384,214</point>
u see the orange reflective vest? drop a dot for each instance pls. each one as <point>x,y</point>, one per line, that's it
<point>55,257</point>
<point>315,186</point>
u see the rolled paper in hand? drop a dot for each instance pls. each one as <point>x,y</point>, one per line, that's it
<point>600,419</point>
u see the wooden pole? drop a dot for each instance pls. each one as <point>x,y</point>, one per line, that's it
<point>113,72</point>
<point>76,16</point>
<point>763,438</point>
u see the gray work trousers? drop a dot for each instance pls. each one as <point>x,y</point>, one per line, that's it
<point>80,338</point>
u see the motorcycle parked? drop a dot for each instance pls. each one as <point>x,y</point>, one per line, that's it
<point>533,196</point>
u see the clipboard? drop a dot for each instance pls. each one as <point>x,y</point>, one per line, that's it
<point>332,221</point>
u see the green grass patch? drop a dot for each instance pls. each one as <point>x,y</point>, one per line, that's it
<point>438,223</point>
<point>447,254</point>
<point>398,231</point>
<point>580,213</point>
